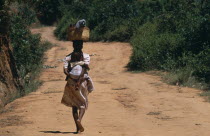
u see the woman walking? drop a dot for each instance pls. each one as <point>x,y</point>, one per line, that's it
<point>79,84</point>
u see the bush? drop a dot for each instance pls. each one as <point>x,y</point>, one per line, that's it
<point>47,11</point>
<point>165,35</point>
<point>149,46</point>
<point>28,49</point>
<point>27,14</point>
<point>185,77</point>
<point>176,41</point>
<point>121,33</point>
<point>26,46</point>
<point>106,19</point>
<point>4,19</point>
<point>61,30</point>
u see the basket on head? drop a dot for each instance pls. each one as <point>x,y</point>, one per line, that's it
<point>82,33</point>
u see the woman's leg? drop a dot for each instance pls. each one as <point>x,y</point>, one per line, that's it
<point>81,114</point>
<point>75,115</point>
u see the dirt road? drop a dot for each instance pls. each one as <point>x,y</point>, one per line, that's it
<point>123,103</point>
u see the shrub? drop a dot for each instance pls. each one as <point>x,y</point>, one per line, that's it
<point>121,33</point>
<point>149,46</point>
<point>47,11</point>
<point>28,49</point>
<point>185,77</point>
<point>27,14</point>
<point>61,30</point>
<point>175,41</point>
<point>106,19</point>
<point>25,44</point>
<point>4,19</point>
<point>165,35</point>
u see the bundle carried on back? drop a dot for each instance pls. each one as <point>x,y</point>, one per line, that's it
<point>79,31</point>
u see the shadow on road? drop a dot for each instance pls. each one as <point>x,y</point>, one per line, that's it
<point>57,132</point>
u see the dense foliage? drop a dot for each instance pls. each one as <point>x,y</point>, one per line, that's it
<point>28,49</point>
<point>47,10</point>
<point>171,35</point>
<point>176,40</point>
<point>25,45</point>
<point>4,19</point>
<point>109,20</point>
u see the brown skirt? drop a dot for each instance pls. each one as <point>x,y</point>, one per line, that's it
<point>75,98</point>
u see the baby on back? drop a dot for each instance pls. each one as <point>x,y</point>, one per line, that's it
<point>76,64</point>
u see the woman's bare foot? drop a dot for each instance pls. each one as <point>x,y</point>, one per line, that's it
<point>81,129</point>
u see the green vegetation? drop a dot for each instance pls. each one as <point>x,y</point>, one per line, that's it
<point>109,20</point>
<point>47,10</point>
<point>206,94</point>
<point>61,30</point>
<point>4,19</point>
<point>27,47</point>
<point>169,35</point>
<point>177,41</point>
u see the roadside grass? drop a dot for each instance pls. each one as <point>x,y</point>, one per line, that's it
<point>31,80</point>
<point>182,78</point>
<point>206,94</point>
<point>136,71</point>
<point>8,109</point>
<point>47,45</point>
<point>185,79</point>
<point>33,86</point>
<point>156,73</point>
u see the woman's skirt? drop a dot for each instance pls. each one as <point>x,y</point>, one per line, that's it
<point>75,98</point>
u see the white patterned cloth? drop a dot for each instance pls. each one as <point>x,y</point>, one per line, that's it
<point>81,23</point>
<point>68,58</point>
<point>86,61</point>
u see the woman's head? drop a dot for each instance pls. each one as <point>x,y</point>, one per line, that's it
<point>77,54</point>
<point>77,45</point>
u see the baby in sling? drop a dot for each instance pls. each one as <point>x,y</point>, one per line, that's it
<point>78,66</point>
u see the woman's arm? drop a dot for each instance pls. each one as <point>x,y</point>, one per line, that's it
<point>86,61</point>
<point>66,64</point>
<point>86,58</point>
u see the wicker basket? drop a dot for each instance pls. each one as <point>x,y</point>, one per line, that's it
<point>82,33</point>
